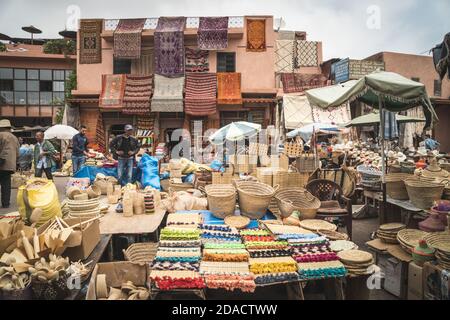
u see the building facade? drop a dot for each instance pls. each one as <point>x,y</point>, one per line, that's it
<point>259,86</point>
<point>32,84</point>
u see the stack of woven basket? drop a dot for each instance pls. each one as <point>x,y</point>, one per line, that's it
<point>388,232</point>
<point>84,208</point>
<point>409,238</point>
<point>357,262</point>
<point>441,243</point>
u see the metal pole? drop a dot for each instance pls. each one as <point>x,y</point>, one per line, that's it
<point>383,161</point>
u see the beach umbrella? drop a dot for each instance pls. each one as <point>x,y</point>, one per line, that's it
<point>307,131</point>
<point>235,131</point>
<point>61,132</point>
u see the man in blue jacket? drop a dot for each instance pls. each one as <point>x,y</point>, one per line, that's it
<point>79,149</point>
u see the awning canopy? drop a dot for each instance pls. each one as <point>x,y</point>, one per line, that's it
<point>374,119</point>
<point>397,92</point>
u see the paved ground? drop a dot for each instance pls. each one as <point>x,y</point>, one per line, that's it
<point>361,234</point>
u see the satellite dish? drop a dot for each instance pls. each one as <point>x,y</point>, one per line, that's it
<point>279,23</point>
<point>33,30</point>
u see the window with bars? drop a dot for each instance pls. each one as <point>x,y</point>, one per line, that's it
<point>226,62</point>
<point>437,88</point>
<point>121,66</point>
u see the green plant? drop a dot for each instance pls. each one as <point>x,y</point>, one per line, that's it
<point>2,47</point>
<point>71,84</point>
<point>60,46</point>
<point>59,115</point>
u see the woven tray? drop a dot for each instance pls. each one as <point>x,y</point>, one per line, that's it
<point>320,265</point>
<point>238,222</point>
<point>317,225</point>
<point>334,235</point>
<point>439,241</point>
<point>392,227</point>
<point>342,245</point>
<point>355,257</point>
<point>224,267</point>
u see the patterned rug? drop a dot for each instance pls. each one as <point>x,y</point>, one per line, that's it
<point>296,82</point>
<point>213,33</point>
<point>113,87</point>
<point>197,60</point>
<point>91,41</point>
<point>338,116</point>
<point>284,56</point>
<point>100,134</point>
<point>127,38</point>
<point>306,53</point>
<point>169,46</point>
<point>256,35</point>
<point>201,90</point>
<point>297,111</point>
<point>138,91</point>
<point>168,94</point>
<point>229,88</point>
<point>143,65</point>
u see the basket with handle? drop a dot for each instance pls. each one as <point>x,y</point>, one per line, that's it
<point>221,199</point>
<point>222,177</point>
<point>422,193</point>
<point>265,175</point>
<point>297,199</point>
<point>254,198</point>
<point>280,177</point>
<point>307,163</point>
<point>395,185</point>
<point>297,179</point>
<point>293,149</point>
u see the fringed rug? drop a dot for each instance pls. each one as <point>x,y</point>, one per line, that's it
<point>168,94</point>
<point>127,38</point>
<point>113,87</point>
<point>91,41</point>
<point>169,46</point>
<point>100,134</point>
<point>138,91</point>
<point>201,90</point>
<point>213,33</point>
<point>256,35</point>
<point>297,82</point>
<point>197,60</point>
<point>229,88</point>
<point>297,111</point>
<point>306,53</point>
<point>284,56</point>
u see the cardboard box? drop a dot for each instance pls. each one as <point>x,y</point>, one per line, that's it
<point>395,269</point>
<point>415,284</point>
<point>116,274</point>
<point>436,282</point>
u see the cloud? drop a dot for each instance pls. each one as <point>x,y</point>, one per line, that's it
<point>411,26</point>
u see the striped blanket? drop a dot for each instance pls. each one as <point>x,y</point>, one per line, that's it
<point>201,90</point>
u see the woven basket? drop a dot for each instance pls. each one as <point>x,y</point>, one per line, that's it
<point>280,177</point>
<point>222,177</point>
<point>254,198</point>
<point>141,252</point>
<point>298,179</point>
<point>297,199</point>
<point>293,149</point>
<point>221,200</point>
<point>265,175</point>
<point>445,166</point>
<point>307,163</point>
<point>423,194</point>
<point>395,185</point>
<point>407,167</point>
<point>180,186</point>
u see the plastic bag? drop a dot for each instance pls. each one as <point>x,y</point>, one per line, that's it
<point>216,165</point>
<point>149,172</point>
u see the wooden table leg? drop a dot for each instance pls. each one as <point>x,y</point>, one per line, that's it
<point>294,291</point>
<point>338,284</point>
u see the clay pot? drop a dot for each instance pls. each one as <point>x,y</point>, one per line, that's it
<point>422,253</point>
<point>432,224</point>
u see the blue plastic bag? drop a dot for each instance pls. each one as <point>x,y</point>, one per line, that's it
<point>216,165</point>
<point>149,172</point>
<point>189,178</point>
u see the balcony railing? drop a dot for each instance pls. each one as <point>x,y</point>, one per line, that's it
<point>191,23</point>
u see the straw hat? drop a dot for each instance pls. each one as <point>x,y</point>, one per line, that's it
<point>5,123</point>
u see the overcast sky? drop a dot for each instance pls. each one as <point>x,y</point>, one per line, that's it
<point>347,28</point>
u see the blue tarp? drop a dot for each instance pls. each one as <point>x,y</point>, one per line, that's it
<point>208,218</point>
<point>150,172</point>
<point>91,172</point>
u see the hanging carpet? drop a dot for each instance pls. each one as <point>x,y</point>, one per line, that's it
<point>213,33</point>
<point>297,82</point>
<point>127,38</point>
<point>284,56</point>
<point>91,41</point>
<point>113,87</point>
<point>168,94</point>
<point>197,60</point>
<point>229,88</point>
<point>256,35</point>
<point>138,91</point>
<point>306,53</point>
<point>201,90</point>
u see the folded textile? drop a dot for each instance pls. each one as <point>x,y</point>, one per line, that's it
<point>201,91</point>
<point>254,232</point>
<point>269,253</point>
<point>231,282</point>
<point>316,257</point>
<point>224,246</point>
<point>113,89</point>
<point>256,35</point>
<point>272,265</point>
<point>196,60</point>
<point>180,266</point>
<point>169,280</point>
<point>273,278</point>
<point>138,91</point>
<point>212,33</point>
<point>168,94</point>
<point>215,227</point>
<point>127,38</point>
<point>179,244</point>
<point>229,88</point>
<point>321,270</point>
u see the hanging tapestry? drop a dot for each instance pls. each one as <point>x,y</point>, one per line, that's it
<point>197,60</point>
<point>169,46</point>
<point>213,33</point>
<point>100,134</point>
<point>297,82</point>
<point>168,94</point>
<point>127,38</point>
<point>256,35</point>
<point>284,56</point>
<point>91,41</point>
<point>390,125</point>
<point>138,91</point>
<point>229,88</point>
<point>337,116</point>
<point>201,90</point>
<point>113,87</point>
<point>143,65</point>
<point>297,111</point>
<point>306,54</point>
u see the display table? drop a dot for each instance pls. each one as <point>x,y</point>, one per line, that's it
<point>91,172</point>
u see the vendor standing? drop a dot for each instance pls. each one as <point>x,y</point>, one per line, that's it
<point>9,153</point>
<point>44,152</point>
<point>123,148</point>
<point>79,149</point>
